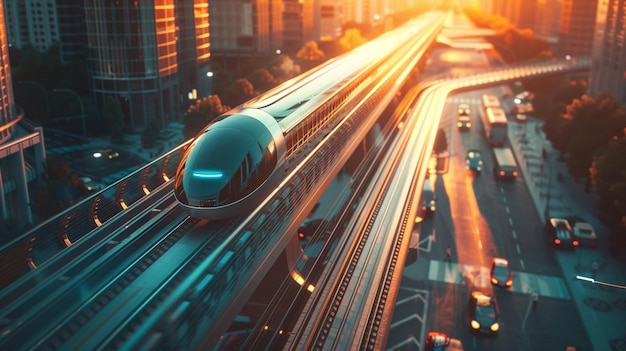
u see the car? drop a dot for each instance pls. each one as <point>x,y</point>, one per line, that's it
<point>501,274</point>
<point>436,341</point>
<point>560,233</point>
<point>464,123</point>
<point>583,232</point>
<point>464,110</point>
<point>524,97</point>
<point>483,313</point>
<point>109,153</point>
<point>428,200</point>
<point>521,118</point>
<point>308,228</point>
<point>91,185</point>
<point>474,160</point>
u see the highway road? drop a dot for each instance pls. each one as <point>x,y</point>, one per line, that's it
<point>482,218</point>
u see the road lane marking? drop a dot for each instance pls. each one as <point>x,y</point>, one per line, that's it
<point>479,277</point>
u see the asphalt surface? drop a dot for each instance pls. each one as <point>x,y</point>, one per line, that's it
<point>483,218</point>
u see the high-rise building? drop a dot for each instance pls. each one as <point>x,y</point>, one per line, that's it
<point>246,27</point>
<point>135,50</point>
<point>32,22</point>
<point>578,19</point>
<point>194,49</point>
<point>292,26</point>
<point>72,38</point>
<point>608,65</point>
<point>328,18</point>
<point>17,148</point>
<point>547,21</point>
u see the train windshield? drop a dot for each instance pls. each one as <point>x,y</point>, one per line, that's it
<point>226,163</point>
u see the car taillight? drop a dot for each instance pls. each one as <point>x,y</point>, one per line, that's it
<point>502,173</point>
<point>301,235</point>
<point>514,173</point>
<point>575,243</point>
<point>557,241</point>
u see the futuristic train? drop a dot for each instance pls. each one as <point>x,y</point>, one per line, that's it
<point>238,159</point>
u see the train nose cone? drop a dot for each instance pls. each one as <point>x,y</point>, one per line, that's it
<point>232,158</point>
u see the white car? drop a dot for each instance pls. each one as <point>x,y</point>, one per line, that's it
<point>583,231</point>
<point>90,185</point>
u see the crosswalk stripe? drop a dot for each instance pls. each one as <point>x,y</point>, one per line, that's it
<point>479,277</point>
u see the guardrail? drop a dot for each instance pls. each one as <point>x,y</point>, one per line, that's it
<point>41,243</point>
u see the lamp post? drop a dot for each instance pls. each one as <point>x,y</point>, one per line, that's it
<point>82,107</point>
<point>594,281</point>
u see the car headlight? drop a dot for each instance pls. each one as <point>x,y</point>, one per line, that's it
<point>469,124</point>
<point>475,324</point>
<point>494,327</point>
<point>494,281</point>
<point>509,282</point>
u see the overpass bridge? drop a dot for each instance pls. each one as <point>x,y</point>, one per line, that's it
<point>132,245</point>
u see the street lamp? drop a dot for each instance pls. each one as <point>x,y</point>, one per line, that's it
<point>593,281</point>
<point>82,107</point>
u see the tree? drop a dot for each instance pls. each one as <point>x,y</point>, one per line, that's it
<point>351,39</point>
<point>261,79</point>
<point>591,123</point>
<point>114,117</point>
<point>202,113</point>
<point>441,142</point>
<point>283,68</point>
<point>310,55</point>
<point>239,92</point>
<point>608,174</point>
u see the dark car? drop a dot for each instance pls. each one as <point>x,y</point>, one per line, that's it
<point>464,110</point>
<point>464,123</point>
<point>474,161</point>
<point>308,228</point>
<point>560,233</point>
<point>483,313</point>
<point>501,274</point>
<point>583,231</point>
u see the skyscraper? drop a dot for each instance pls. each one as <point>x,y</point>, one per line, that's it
<point>246,27</point>
<point>608,68</point>
<point>135,50</point>
<point>578,18</point>
<point>16,146</point>
<point>33,22</point>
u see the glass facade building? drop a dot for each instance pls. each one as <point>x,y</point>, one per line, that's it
<point>135,50</point>
<point>16,147</point>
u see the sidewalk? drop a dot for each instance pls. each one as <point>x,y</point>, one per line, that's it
<point>601,308</point>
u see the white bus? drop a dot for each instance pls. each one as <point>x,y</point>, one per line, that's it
<point>495,125</point>
<point>504,165</point>
<point>490,101</point>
